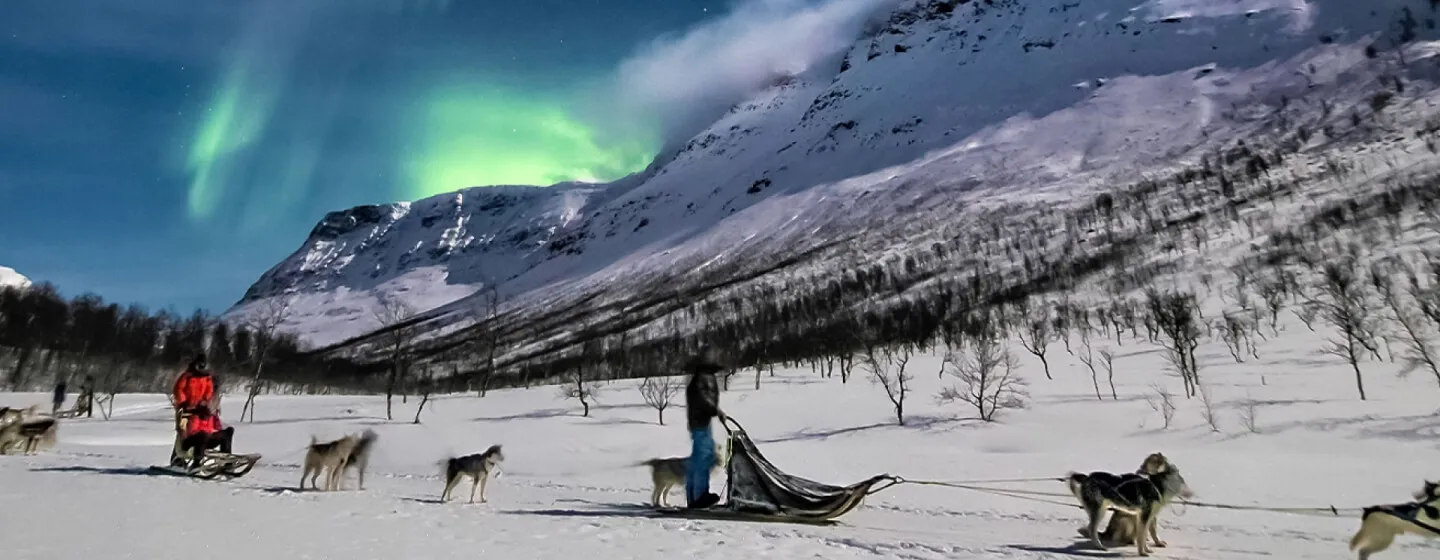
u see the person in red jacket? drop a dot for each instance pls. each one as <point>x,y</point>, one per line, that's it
<point>194,388</point>
<point>203,432</point>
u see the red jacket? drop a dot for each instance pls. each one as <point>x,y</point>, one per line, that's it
<point>197,425</point>
<point>193,389</point>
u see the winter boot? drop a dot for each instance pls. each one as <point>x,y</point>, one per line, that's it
<point>707,501</point>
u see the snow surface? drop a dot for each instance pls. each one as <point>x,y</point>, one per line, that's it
<point>569,489</point>
<point>932,109</point>
<point>8,277</point>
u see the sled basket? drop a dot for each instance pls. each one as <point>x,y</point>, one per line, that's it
<point>757,487</point>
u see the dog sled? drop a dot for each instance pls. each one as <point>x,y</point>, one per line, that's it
<point>759,491</point>
<point>214,465</point>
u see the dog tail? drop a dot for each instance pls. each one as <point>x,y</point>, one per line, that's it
<point>367,439</point>
<point>1076,481</point>
<point>447,468</point>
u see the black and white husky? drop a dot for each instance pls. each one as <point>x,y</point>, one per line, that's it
<point>1379,525</point>
<point>477,466</point>
<point>1143,495</point>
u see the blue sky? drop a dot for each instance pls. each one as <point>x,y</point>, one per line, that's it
<point>168,152</point>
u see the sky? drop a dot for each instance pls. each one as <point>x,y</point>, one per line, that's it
<point>168,152</point>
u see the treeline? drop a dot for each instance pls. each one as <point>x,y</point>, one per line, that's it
<point>46,338</point>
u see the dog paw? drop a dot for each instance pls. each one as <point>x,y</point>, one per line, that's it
<point>1159,544</point>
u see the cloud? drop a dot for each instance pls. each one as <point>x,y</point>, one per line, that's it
<point>678,82</point>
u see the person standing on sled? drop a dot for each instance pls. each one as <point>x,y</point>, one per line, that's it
<point>195,388</point>
<point>203,433</point>
<point>702,404</point>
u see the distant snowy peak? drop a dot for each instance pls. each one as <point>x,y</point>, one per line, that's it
<point>8,277</point>
<point>480,235</point>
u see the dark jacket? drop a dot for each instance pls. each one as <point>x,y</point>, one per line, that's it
<point>702,397</point>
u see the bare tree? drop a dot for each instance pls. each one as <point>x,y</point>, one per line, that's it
<point>1087,357</point>
<point>263,325</point>
<point>1273,293</point>
<point>1039,340</point>
<point>1249,415</point>
<point>488,333</point>
<point>581,384</point>
<point>658,392</point>
<point>393,316</point>
<point>987,377</point>
<point>1108,358</point>
<point>1162,402</point>
<point>1343,303</point>
<point>887,368</point>
<point>1207,410</point>
<point>1418,351</point>
<point>1175,316</point>
<point>426,385</point>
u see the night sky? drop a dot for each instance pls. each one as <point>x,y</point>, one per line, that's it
<point>167,152</point>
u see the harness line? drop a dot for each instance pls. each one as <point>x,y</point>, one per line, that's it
<point>1327,511</point>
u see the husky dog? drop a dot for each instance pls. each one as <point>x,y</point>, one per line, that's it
<point>331,456</point>
<point>1121,529</point>
<point>10,416</point>
<point>1140,495</point>
<point>669,472</point>
<point>31,435</point>
<point>15,415</point>
<point>477,466</point>
<point>1379,525</point>
<point>359,457</point>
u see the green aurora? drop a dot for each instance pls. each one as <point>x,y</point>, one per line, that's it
<point>453,138</point>
<point>235,120</point>
<point>482,136</point>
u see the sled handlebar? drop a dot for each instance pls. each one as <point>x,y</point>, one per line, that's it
<point>727,421</point>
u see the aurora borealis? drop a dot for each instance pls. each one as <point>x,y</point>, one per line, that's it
<point>481,135</point>
<point>168,152</point>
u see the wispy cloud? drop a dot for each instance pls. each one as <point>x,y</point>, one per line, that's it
<point>679,81</point>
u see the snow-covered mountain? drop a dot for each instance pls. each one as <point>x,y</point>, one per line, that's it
<point>8,277</point>
<point>945,103</point>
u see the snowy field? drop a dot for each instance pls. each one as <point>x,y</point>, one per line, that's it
<point>569,490</point>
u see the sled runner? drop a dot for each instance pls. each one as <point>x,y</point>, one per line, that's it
<point>215,465</point>
<point>758,491</point>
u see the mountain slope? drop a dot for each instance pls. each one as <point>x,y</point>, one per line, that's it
<point>948,104</point>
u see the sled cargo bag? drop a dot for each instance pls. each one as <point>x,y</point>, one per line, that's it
<point>756,486</point>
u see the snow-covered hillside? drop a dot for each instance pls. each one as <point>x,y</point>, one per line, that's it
<point>947,104</point>
<point>1289,433</point>
<point>426,253</point>
<point>8,277</point>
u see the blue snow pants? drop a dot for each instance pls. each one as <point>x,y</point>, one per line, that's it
<point>702,458</point>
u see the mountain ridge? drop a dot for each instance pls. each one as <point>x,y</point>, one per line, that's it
<point>903,129</point>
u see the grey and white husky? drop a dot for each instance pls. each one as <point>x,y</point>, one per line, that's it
<point>328,456</point>
<point>477,466</point>
<point>1380,525</point>
<point>668,472</point>
<point>359,458</point>
<point>30,435</point>
<point>1142,495</point>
